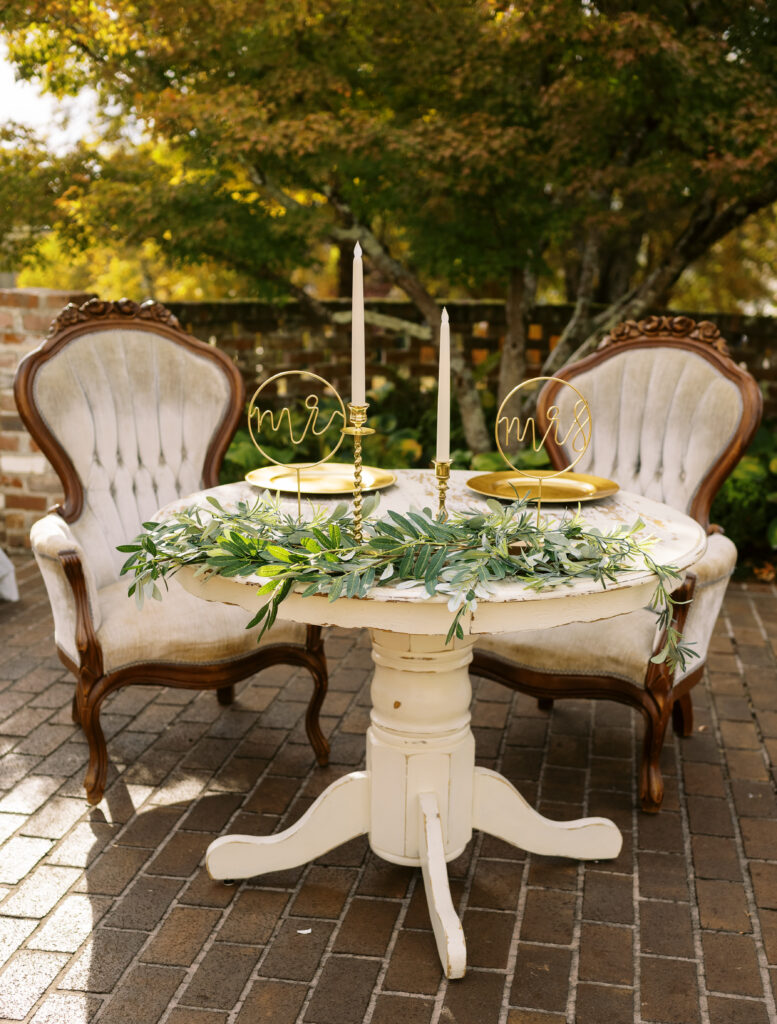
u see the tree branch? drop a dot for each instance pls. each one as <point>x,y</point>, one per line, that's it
<point>578,326</point>
<point>355,231</point>
<point>275,192</point>
<point>708,223</point>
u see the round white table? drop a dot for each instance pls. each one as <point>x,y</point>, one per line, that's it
<point>421,794</point>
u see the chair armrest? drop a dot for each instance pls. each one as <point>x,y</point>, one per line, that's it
<point>712,573</point>
<point>70,585</point>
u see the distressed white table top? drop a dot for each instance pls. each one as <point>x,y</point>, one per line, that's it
<point>679,541</point>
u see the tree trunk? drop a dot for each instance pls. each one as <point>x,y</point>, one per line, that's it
<point>344,270</point>
<point>707,224</point>
<point>463,385</point>
<point>578,327</point>
<point>473,421</point>
<point>512,365</point>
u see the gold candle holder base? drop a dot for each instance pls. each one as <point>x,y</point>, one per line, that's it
<point>357,413</point>
<point>442,471</point>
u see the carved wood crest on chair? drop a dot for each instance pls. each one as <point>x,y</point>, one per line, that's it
<point>133,413</point>
<point>672,415</point>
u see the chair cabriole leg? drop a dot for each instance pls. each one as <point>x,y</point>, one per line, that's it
<point>651,781</point>
<point>682,715</point>
<point>97,772</point>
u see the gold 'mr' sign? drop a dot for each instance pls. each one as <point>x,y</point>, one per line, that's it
<point>572,434</point>
<point>280,422</point>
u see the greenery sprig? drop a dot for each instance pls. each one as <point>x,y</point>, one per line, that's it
<point>461,558</point>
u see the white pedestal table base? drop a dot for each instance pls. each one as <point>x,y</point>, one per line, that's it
<point>421,794</point>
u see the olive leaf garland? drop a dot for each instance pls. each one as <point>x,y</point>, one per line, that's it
<point>461,558</point>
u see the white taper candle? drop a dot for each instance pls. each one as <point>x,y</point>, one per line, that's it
<point>444,392</point>
<point>357,329</point>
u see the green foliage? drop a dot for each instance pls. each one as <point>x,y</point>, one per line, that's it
<point>135,272</point>
<point>746,505</point>
<point>32,183</point>
<point>466,140</point>
<point>460,559</point>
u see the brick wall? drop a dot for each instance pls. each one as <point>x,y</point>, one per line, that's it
<point>262,339</point>
<point>28,485</point>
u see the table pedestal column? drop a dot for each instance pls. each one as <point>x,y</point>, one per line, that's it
<point>421,794</point>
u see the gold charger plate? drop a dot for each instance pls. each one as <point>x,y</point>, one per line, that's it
<point>565,488</point>
<point>328,478</point>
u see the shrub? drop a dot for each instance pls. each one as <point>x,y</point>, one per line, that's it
<point>746,505</point>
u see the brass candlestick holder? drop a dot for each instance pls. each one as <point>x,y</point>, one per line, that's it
<point>442,471</point>
<point>357,414</point>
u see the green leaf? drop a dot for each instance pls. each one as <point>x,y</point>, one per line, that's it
<point>259,615</point>
<point>269,570</point>
<point>406,525</point>
<point>277,552</point>
<point>352,587</point>
<point>405,566</point>
<point>388,529</point>
<point>423,560</point>
<point>369,505</point>
<point>339,512</point>
<point>433,570</point>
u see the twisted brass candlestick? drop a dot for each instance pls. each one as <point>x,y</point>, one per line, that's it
<point>357,430</point>
<point>442,470</point>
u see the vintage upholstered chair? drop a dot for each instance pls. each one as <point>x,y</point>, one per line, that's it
<point>133,413</point>
<point>672,414</point>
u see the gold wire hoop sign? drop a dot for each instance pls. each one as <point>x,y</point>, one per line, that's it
<point>576,436</point>
<point>280,417</point>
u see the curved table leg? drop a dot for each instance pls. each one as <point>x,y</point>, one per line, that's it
<point>500,810</point>
<point>342,812</point>
<point>448,933</point>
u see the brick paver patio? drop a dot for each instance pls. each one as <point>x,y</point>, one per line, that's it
<point>108,915</point>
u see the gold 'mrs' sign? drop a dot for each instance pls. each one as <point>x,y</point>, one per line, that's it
<point>572,434</point>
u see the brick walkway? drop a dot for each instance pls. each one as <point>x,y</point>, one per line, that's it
<point>108,915</point>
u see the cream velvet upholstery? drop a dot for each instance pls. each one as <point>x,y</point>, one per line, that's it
<point>671,414</point>
<point>661,419</point>
<point>621,647</point>
<point>186,630</point>
<point>50,537</point>
<point>179,629</point>
<point>136,414</point>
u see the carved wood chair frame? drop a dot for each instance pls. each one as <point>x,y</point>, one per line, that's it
<point>92,684</point>
<point>658,699</point>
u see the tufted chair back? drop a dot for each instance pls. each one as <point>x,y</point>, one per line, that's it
<point>671,412</point>
<point>132,413</point>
